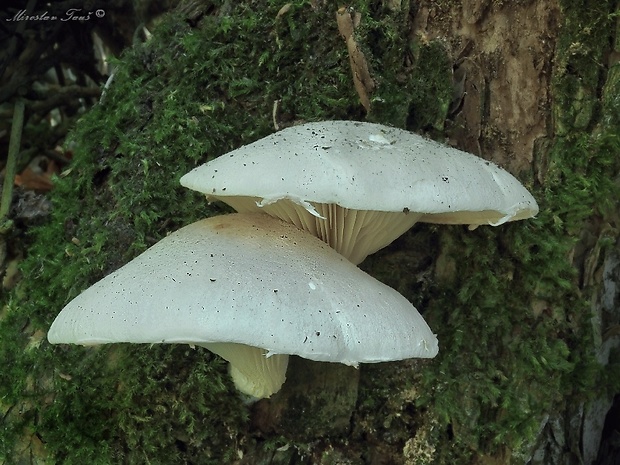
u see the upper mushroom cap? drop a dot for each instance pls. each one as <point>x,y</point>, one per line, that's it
<point>254,280</point>
<point>366,166</point>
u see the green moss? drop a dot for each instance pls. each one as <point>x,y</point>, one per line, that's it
<point>579,71</point>
<point>131,404</point>
<point>413,77</point>
<point>512,312</point>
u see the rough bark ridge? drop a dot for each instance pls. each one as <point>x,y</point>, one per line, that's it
<point>503,62</point>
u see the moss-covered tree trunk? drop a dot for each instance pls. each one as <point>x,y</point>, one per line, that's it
<point>521,311</point>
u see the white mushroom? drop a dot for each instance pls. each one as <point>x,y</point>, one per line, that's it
<point>254,290</point>
<point>358,186</point>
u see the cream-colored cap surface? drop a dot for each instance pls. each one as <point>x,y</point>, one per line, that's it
<point>316,174</point>
<point>254,280</point>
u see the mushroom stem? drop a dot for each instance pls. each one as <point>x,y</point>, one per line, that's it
<point>253,371</point>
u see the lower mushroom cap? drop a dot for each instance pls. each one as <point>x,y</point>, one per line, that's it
<point>248,280</point>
